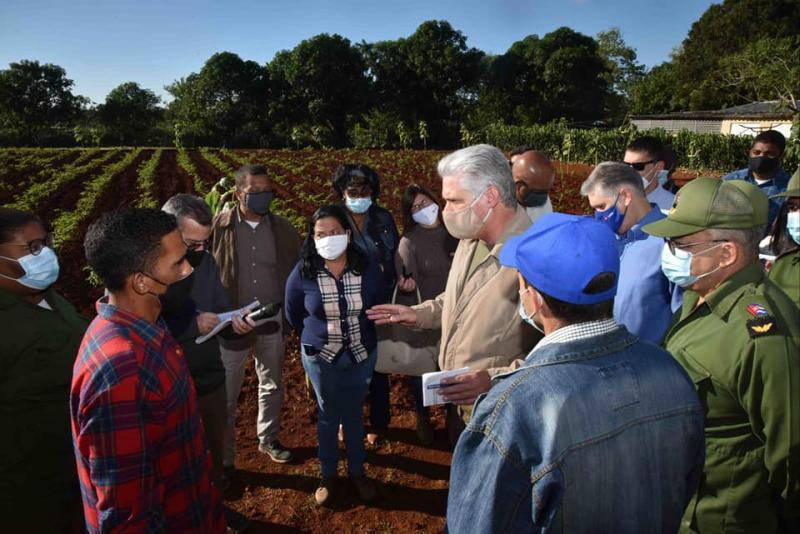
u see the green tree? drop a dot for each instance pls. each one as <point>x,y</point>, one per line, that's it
<point>322,83</point>
<point>224,104</point>
<point>655,92</point>
<point>623,70</point>
<point>34,98</point>
<point>129,114</point>
<point>768,69</point>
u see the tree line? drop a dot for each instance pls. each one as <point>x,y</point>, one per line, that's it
<point>422,90</point>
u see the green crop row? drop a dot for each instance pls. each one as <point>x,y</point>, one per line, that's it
<point>47,182</point>
<point>146,182</point>
<point>185,163</point>
<point>68,222</point>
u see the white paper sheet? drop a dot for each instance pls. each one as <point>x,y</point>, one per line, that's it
<point>432,383</point>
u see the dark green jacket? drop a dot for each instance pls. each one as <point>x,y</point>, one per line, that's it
<point>741,347</point>
<point>37,351</point>
<point>785,272</point>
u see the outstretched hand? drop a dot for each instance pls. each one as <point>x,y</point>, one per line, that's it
<point>392,314</point>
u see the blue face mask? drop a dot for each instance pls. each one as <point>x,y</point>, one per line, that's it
<point>358,205</point>
<point>793,225</point>
<point>678,267</point>
<point>611,216</point>
<point>41,270</point>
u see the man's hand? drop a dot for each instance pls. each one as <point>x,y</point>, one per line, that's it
<point>392,314</point>
<point>464,389</point>
<point>242,324</point>
<point>206,322</point>
<point>407,284</point>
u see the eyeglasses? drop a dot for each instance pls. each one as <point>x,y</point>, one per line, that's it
<point>639,166</point>
<point>36,246</point>
<point>683,246</point>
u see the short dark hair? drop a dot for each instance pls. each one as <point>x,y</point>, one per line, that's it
<point>312,261</point>
<point>772,137</point>
<point>648,144</point>
<point>345,173</point>
<point>13,220</point>
<point>253,170</point>
<point>581,313</point>
<point>185,205</point>
<point>127,241</point>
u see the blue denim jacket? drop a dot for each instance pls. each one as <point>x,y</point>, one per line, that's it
<point>602,434</point>
<point>777,185</point>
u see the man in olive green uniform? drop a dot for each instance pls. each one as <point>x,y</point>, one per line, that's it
<point>785,270</point>
<point>738,337</point>
<point>40,333</point>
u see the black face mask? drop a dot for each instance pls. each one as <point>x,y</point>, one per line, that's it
<point>175,296</point>
<point>195,257</point>
<point>258,203</point>
<point>764,165</point>
<point>534,199</point>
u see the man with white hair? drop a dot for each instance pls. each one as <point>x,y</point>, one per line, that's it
<point>646,299</point>
<point>481,299</point>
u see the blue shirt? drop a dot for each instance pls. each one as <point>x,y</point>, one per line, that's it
<point>776,185</point>
<point>645,299</point>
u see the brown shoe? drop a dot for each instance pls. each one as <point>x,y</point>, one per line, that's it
<point>365,488</point>
<point>324,491</point>
<point>375,437</point>
<point>425,433</point>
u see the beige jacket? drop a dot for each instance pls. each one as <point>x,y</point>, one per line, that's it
<point>481,327</point>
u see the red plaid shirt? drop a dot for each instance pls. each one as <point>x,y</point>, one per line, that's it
<point>139,442</point>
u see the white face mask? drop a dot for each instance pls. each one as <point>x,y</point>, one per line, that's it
<point>331,247</point>
<point>427,215</point>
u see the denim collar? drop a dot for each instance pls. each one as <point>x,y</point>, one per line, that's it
<point>581,349</point>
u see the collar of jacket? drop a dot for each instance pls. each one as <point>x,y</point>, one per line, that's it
<point>9,300</point>
<point>722,299</point>
<point>227,217</point>
<point>518,225</point>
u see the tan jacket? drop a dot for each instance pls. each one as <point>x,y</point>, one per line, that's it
<point>223,247</point>
<point>481,327</point>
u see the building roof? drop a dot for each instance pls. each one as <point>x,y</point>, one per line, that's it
<point>770,109</point>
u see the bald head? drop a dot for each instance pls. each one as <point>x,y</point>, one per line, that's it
<point>532,172</point>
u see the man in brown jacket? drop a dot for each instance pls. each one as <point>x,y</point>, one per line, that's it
<point>478,311</point>
<point>256,250</point>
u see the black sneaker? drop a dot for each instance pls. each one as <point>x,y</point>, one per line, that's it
<point>277,452</point>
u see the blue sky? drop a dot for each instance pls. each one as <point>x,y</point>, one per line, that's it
<point>103,44</point>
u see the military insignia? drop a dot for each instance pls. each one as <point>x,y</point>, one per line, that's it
<point>757,310</point>
<point>674,203</point>
<point>761,326</point>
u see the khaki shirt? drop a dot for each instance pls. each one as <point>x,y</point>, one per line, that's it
<point>741,347</point>
<point>478,314</point>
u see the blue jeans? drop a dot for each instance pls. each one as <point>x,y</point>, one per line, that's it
<point>340,388</point>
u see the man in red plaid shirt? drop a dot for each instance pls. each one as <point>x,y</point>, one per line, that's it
<point>139,442</point>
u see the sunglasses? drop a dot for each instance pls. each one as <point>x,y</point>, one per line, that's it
<point>640,165</point>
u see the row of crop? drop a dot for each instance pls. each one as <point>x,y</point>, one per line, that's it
<point>67,224</point>
<point>696,151</point>
<point>145,182</point>
<point>185,163</point>
<point>46,183</point>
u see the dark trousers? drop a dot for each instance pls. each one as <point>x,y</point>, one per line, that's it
<point>214,413</point>
<point>379,399</point>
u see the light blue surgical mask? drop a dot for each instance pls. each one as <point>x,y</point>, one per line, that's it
<point>41,270</point>
<point>663,176</point>
<point>524,314</point>
<point>358,205</point>
<point>793,225</point>
<point>678,267</point>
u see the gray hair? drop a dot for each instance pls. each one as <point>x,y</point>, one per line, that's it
<point>481,166</point>
<point>748,239</point>
<point>242,172</point>
<point>183,205</point>
<point>611,176</point>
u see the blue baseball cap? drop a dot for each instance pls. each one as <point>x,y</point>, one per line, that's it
<point>561,254</point>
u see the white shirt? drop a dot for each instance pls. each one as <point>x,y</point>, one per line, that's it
<point>534,214</point>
